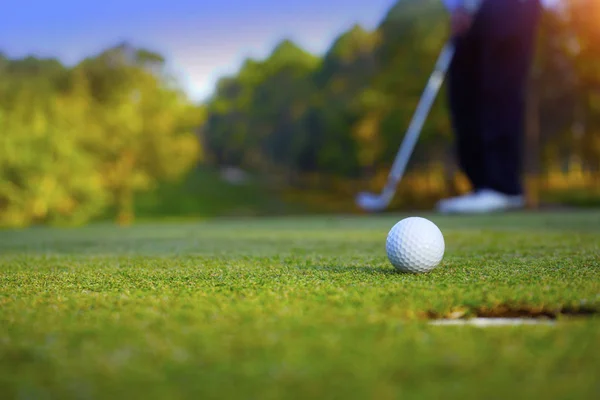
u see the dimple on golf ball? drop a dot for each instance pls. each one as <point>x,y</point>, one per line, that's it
<point>415,245</point>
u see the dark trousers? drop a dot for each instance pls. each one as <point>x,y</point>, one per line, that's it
<point>487,92</point>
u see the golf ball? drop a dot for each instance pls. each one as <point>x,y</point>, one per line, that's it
<point>415,245</point>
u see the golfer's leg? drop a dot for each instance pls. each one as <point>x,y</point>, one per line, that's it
<point>463,91</point>
<point>506,62</point>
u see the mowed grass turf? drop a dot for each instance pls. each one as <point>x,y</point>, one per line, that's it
<point>299,308</point>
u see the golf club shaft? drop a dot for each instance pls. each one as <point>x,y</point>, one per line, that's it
<point>416,125</point>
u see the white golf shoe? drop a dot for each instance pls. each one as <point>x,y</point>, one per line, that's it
<point>480,202</point>
<point>445,205</point>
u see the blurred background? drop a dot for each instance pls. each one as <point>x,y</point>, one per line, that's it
<point>140,110</point>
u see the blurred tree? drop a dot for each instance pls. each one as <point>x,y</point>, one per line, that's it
<point>45,177</point>
<point>567,79</point>
<point>143,129</point>
<point>228,134</point>
<point>280,102</point>
<point>73,141</point>
<point>412,35</point>
<point>343,132</point>
<point>256,118</point>
<point>584,48</point>
<point>341,116</point>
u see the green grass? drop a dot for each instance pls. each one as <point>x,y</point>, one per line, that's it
<point>297,308</point>
<point>204,194</point>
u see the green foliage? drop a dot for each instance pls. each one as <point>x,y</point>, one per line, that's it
<point>338,117</point>
<point>345,116</point>
<point>585,50</point>
<point>144,129</point>
<point>45,174</point>
<point>568,81</point>
<point>75,141</point>
<point>203,193</point>
<point>256,118</point>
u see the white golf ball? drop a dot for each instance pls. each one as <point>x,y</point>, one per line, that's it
<point>415,245</point>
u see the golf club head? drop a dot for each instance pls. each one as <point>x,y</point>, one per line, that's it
<point>371,202</point>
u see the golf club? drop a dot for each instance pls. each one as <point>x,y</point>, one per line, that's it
<point>377,202</point>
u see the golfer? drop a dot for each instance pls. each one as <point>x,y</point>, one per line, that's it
<point>487,89</point>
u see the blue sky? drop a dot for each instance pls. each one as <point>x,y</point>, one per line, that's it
<point>202,39</point>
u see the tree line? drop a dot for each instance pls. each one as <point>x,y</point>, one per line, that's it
<point>77,141</point>
<point>344,114</point>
